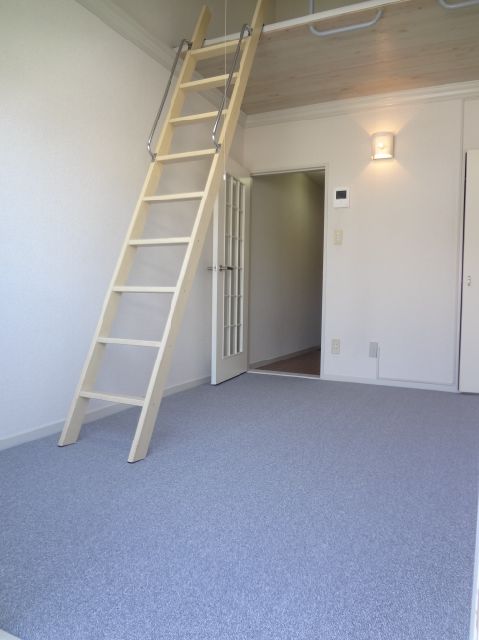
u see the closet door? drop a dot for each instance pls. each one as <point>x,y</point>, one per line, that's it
<point>230,280</point>
<point>469,363</point>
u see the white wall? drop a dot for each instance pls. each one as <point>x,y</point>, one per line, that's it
<point>471,124</point>
<point>77,105</point>
<point>286,254</point>
<point>395,278</point>
<point>171,20</point>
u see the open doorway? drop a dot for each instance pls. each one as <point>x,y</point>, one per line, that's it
<point>286,272</point>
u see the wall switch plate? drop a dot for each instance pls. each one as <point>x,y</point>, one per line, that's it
<point>373,349</point>
<point>341,198</point>
<point>338,236</point>
<point>335,346</point>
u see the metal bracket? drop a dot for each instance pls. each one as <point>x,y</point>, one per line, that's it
<point>457,5</point>
<point>353,27</point>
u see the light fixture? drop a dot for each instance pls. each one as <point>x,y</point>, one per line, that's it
<point>382,146</point>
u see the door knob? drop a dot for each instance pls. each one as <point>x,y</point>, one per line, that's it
<point>221,268</point>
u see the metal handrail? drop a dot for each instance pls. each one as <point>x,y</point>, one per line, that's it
<point>249,30</point>
<point>165,95</point>
<point>352,27</point>
<point>457,5</point>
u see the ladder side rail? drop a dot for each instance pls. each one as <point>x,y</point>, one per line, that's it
<point>245,30</point>
<point>75,417</point>
<point>146,423</point>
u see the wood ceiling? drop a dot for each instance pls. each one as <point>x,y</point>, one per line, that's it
<point>416,43</point>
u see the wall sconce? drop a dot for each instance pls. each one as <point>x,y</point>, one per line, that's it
<point>382,146</point>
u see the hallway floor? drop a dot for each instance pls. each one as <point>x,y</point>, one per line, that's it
<point>307,363</point>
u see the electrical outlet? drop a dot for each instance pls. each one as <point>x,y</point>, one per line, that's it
<point>338,236</point>
<point>335,346</point>
<point>373,349</point>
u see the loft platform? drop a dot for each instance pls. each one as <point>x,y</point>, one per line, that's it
<point>416,43</point>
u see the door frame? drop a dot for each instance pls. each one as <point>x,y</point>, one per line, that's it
<point>317,166</point>
<point>462,272</point>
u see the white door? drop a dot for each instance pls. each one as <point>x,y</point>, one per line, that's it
<point>230,279</point>
<point>469,363</point>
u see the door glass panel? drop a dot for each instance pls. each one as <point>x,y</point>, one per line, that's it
<point>233,276</point>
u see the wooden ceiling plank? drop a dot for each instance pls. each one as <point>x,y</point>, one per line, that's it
<point>416,45</point>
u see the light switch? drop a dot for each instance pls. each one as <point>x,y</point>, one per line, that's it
<point>338,236</point>
<point>341,198</point>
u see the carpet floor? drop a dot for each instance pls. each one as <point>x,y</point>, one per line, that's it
<point>269,508</point>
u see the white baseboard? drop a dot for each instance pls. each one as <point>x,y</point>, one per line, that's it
<point>91,416</point>
<point>264,363</point>
<point>474,626</point>
<point>7,636</point>
<point>375,381</point>
<point>406,384</point>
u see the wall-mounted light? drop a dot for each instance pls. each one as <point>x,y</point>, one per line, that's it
<point>382,146</point>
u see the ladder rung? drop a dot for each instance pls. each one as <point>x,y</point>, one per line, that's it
<point>96,395</point>
<point>208,83</point>
<point>129,342</point>
<point>185,156</point>
<point>219,49</point>
<point>175,197</point>
<point>154,242</point>
<point>144,289</point>
<point>197,118</point>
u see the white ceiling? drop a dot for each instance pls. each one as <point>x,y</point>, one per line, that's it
<point>171,20</point>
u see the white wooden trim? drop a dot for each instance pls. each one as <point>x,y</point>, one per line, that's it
<point>372,381</point>
<point>405,384</point>
<point>469,345</point>
<point>474,631</point>
<point>118,20</point>
<point>459,90</point>
<point>54,428</point>
<point>7,636</point>
<point>96,414</point>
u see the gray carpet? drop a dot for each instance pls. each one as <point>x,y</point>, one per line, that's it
<point>268,508</point>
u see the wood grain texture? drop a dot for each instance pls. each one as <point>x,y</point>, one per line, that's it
<point>157,383</point>
<point>416,44</point>
<point>307,364</point>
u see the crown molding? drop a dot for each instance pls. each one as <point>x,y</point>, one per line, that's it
<point>118,20</point>
<point>460,90</point>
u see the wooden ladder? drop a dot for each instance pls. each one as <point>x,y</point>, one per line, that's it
<point>216,155</point>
